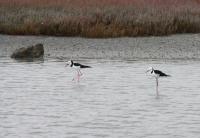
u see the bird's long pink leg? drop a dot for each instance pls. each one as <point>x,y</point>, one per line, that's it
<point>76,77</point>
<point>80,72</point>
<point>157,84</point>
<point>79,75</point>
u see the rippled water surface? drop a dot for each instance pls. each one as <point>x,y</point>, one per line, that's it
<point>114,99</point>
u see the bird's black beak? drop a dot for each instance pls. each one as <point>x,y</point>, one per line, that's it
<point>147,71</point>
<point>66,65</point>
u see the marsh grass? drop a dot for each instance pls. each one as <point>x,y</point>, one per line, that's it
<point>99,18</point>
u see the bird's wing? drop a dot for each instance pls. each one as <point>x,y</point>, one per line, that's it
<point>77,64</point>
<point>160,73</point>
<point>81,66</point>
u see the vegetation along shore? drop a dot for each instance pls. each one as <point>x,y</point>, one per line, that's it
<point>99,18</point>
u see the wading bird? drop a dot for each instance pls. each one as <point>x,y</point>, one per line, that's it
<point>157,74</point>
<point>77,67</point>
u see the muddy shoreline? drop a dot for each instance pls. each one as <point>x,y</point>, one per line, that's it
<point>179,46</point>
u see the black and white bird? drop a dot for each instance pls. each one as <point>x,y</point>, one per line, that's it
<point>77,67</point>
<point>157,74</point>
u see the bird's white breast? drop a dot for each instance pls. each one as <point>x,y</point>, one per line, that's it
<point>154,75</point>
<point>76,67</point>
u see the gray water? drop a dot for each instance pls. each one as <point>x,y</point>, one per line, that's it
<point>114,99</point>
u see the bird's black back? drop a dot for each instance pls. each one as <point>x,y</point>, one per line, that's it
<point>160,73</point>
<point>81,66</point>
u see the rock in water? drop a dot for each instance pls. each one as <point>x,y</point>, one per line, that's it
<point>29,52</point>
<point>38,51</point>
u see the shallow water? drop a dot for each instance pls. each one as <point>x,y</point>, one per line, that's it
<point>114,99</point>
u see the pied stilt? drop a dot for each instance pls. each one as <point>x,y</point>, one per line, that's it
<point>157,74</point>
<point>77,67</point>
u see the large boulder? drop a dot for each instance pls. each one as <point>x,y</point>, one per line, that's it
<point>29,52</point>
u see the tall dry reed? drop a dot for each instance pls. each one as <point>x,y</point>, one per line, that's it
<point>99,18</point>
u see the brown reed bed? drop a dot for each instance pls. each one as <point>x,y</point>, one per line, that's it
<point>99,18</point>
